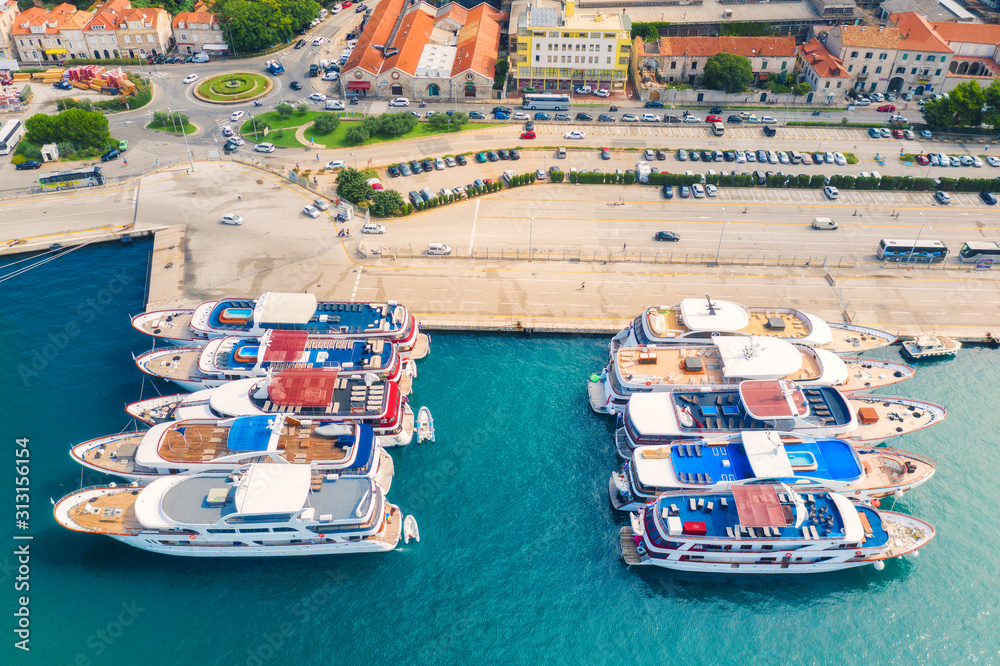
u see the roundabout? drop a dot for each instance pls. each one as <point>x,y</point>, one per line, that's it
<point>233,87</point>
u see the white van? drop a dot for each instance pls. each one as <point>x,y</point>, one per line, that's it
<point>200,57</point>
<point>824,223</point>
<point>438,248</point>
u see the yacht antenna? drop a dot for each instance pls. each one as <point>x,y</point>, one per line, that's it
<point>711,308</point>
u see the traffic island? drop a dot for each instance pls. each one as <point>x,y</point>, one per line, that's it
<point>233,87</point>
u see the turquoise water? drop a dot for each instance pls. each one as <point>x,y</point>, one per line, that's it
<point>519,560</point>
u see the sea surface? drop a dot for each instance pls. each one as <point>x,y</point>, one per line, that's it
<point>519,559</point>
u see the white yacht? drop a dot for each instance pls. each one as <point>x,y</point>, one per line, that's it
<point>321,395</point>
<point>655,419</point>
<point>235,357</point>
<point>930,346</point>
<point>698,319</point>
<point>765,529</point>
<point>198,445</point>
<point>256,510</point>
<point>726,361</point>
<point>251,318</point>
<point>808,464</point>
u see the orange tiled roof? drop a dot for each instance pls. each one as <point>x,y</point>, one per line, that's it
<point>110,15</point>
<point>379,27</point>
<point>143,14</point>
<point>749,47</point>
<point>413,35</point>
<point>188,18</point>
<point>917,34</point>
<point>52,20</point>
<point>455,11</point>
<point>478,42</point>
<point>968,33</point>
<point>76,20</point>
<point>871,37</point>
<point>824,63</point>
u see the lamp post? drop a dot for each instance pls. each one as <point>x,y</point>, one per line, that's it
<point>355,161</point>
<point>914,246</point>
<point>531,225</point>
<point>725,223</point>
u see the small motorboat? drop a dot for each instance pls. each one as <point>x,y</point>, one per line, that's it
<point>927,346</point>
<point>410,530</point>
<point>425,425</point>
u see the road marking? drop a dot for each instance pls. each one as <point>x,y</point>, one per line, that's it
<point>357,280</point>
<point>475,217</point>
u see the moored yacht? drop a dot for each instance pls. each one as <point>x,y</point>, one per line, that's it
<point>727,360</point>
<point>807,464</point>
<point>761,529</point>
<point>199,445</point>
<point>654,419</point>
<point>695,318</point>
<point>319,395</point>
<point>930,346</point>
<point>224,359</point>
<point>251,318</point>
<point>256,510</point>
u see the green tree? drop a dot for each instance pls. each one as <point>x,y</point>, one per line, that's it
<point>648,31</point>
<point>962,108</point>
<point>86,129</point>
<point>992,96</point>
<point>352,186</point>
<point>284,110</point>
<point>801,89</point>
<point>357,134</point>
<point>386,203</point>
<point>729,72</point>
<point>302,108</point>
<point>326,123</point>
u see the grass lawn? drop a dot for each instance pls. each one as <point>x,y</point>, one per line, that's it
<point>335,139</point>
<point>248,85</point>
<point>169,128</point>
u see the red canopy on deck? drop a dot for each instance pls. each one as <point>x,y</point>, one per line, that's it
<point>758,506</point>
<point>285,346</point>
<point>303,387</point>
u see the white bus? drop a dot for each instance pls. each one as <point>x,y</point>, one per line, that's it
<point>932,251</point>
<point>11,133</point>
<point>979,250</point>
<point>546,101</point>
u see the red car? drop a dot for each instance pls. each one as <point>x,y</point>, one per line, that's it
<point>528,135</point>
<point>887,107</point>
<point>897,134</point>
<point>713,119</point>
<point>921,160</point>
<point>345,5</point>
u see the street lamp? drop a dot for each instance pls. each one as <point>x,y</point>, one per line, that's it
<point>913,248</point>
<point>355,161</point>
<point>725,223</point>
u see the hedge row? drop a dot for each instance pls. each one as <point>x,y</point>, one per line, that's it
<point>434,202</point>
<point>522,179</point>
<point>590,178</point>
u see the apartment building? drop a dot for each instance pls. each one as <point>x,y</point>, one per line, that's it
<point>145,31</point>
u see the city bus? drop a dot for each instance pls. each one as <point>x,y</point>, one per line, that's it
<point>10,134</point>
<point>920,250</point>
<point>546,102</point>
<point>65,180</point>
<point>979,250</point>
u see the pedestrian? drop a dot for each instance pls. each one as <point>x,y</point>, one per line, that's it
<point>583,285</point>
<point>317,157</point>
<point>296,165</point>
<point>124,162</point>
<point>239,197</point>
<point>623,246</point>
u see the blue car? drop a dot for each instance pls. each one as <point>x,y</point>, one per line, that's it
<point>542,116</point>
<point>874,133</point>
<point>668,192</point>
<point>685,191</point>
<point>501,116</point>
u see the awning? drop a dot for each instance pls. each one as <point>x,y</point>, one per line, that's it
<point>756,506</point>
<point>215,47</point>
<point>303,387</point>
<point>285,346</point>
<point>359,85</point>
<point>55,51</point>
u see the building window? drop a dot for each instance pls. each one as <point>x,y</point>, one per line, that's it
<point>850,68</point>
<point>930,58</point>
<point>937,73</point>
<point>784,65</point>
<point>538,58</point>
<point>764,65</point>
<point>878,70</point>
<point>609,61</point>
<point>610,48</point>
<point>901,70</point>
<point>882,56</point>
<point>913,71</point>
<point>905,56</point>
<point>694,64</point>
<point>827,85</point>
<point>864,69</point>
<point>918,56</point>
<point>854,54</point>
<point>673,64</point>
<point>838,84</point>
<point>868,56</point>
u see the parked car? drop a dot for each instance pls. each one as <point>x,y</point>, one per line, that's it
<point>886,108</point>
<point>373,228</point>
<point>264,148</point>
<point>685,192</point>
<point>310,211</point>
<point>671,118</point>
<point>667,236</point>
<point>692,119</point>
<point>668,192</point>
<point>831,192</point>
<point>539,174</point>
<point>874,133</point>
<point>653,104</point>
<point>331,76</point>
<point>922,160</point>
<point>493,156</point>
<point>682,155</point>
<point>586,117</point>
<point>110,155</point>
<point>504,154</point>
<point>988,198</point>
<point>605,118</point>
<point>630,118</point>
<point>30,164</point>
<point>698,190</point>
<point>839,159</point>
<point>711,191</point>
<point>231,218</point>
<point>605,154</point>
<point>543,116</point>
<point>942,197</point>
<point>399,101</point>
<point>460,160</point>
<point>926,134</point>
<point>475,115</point>
<point>736,120</point>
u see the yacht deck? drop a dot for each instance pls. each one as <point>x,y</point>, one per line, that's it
<point>887,418</point>
<point>203,442</point>
<point>170,324</point>
<point>666,365</point>
<point>421,346</point>
<point>113,513</point>
<point>181,363</point>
